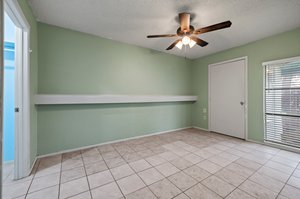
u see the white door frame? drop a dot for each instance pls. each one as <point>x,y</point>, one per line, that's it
<point>1,90</point>
<point>22,92</point>
<point>245,58</point>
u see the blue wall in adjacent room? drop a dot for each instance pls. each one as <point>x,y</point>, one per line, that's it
<point>9,101</point>
<point>9,88</point>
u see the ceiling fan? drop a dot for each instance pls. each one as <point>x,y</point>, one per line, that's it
<point>188,34</point>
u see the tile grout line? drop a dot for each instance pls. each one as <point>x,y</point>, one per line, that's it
<point>148,186</point>
<point>81,157</point>
<point>90,193</point>
<point>180,170</point>
<point>59,183</point>
<point>213,174</point>
<point>142,180</point>
<point>237,187</point>
<point>75,178</point>
<point>286,183</point>
<point>121,165</point>
<point>109,169</point>
<point>222,151</point>
<point>256,171</point>
<point>38,178</point>
<point>155,169</point>
<point>33,177</point>
<point>103,171</point>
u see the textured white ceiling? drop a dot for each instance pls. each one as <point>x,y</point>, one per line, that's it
<point>130,21</point>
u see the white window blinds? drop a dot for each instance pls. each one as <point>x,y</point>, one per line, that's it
<point>282,103</point>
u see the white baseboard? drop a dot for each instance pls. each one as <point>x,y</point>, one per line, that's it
<point>275,145</point>
<point>32,166</point>
<point>30,170</point>
<point>196,127</point>
<point>283,147</point>
<point>111,142</point>
<point>254,141</point>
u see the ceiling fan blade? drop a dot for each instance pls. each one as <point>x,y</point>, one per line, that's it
<point>173,44</point>
<point>184,19</point>
<point>225,24</point>
<point>199,42</point>
<point>166,35</point>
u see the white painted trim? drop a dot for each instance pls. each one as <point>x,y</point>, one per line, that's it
<point>202,129</point>
<point>264,64</point>
<point>209,107</point>
<point>254,141</point>
<point>1,94</point>
<point>18,144</point>
<point>22,133</point>
<point>264,98</point>
<point>157,133</point>
<point>111,142</point>
<point>281,61</point>
<point>109,99</point>
<point>246,97</point>
<point>281,146</point>
<point>276,145</point>
<point>15,12</point>
<point>26,103</point>
<point>245,58</point>
<point>33,165</point>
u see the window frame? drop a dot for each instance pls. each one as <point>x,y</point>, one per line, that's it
<point>264,64</point>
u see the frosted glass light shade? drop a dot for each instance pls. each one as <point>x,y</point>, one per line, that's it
<point>186,40</point>
<point>192,43</point>
<point>179,45</point>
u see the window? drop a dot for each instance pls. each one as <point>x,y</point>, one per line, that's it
<point>282,102</point>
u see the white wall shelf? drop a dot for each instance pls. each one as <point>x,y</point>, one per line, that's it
<point>110,99</point>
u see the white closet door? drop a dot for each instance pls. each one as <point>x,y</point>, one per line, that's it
<point>227,98</point>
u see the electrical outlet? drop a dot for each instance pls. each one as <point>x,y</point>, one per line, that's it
<point>204,110</point>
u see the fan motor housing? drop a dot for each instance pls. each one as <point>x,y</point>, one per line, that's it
<point>182,33</point>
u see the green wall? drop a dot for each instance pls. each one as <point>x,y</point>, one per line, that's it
<point>33,76</point>
<point>68,62</point>
<point>71,126</point>
<point>272,48</point>
<point>71,62</point>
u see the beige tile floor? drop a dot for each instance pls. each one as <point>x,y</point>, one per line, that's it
<point>181,165</point>
<point>7,174</point>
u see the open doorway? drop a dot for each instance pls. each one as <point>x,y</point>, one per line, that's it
<point>9,99</point>
<point>16,117</point>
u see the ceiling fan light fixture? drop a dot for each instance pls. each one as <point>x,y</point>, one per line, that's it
<point>186,40</point>
<point>188,34</point>
<point>192,43</point>
<point>179,45</point>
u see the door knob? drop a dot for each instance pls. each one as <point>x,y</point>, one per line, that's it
<point>242,103</point>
